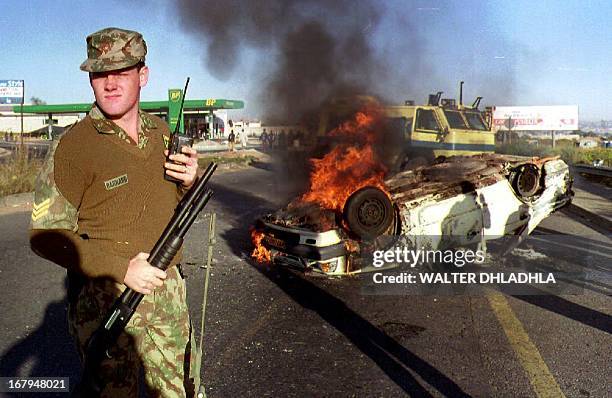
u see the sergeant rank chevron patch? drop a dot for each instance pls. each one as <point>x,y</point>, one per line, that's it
<point>40,209</point>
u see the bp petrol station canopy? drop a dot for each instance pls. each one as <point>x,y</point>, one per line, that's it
<point>149,106</point>
<point>171,107</point>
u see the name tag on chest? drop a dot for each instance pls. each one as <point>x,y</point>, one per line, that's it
<point>116,182</point>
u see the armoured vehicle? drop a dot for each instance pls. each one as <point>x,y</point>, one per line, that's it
<point>417,134</point>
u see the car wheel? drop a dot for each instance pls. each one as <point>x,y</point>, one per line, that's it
<point>369,213</point>
<point>526,181</point>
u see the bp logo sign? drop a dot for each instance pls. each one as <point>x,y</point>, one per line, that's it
<point>175,95</point>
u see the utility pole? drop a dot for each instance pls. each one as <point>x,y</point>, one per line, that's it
<point>553,138</point>
<point>21,111</point>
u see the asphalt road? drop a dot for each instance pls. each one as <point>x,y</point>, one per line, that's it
<point>271,332</point>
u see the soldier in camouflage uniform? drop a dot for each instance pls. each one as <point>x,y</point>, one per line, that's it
<point>100,204</point>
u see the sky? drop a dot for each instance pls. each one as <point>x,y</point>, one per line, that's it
<point>511,52</point>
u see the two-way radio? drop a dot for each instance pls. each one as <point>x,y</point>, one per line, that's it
<point>177,141</point>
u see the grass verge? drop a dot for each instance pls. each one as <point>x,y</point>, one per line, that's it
<point>18,174</point>
<point>570,154</point>
<point>237,160</point>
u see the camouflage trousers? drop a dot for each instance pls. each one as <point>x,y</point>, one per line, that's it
<point>157,339</point>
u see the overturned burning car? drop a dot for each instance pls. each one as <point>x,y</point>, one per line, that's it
<point>353,201</point>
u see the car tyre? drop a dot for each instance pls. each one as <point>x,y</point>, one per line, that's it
<point>369,213</point>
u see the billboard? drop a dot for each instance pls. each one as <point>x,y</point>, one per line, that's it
<point>536,118</point>
<point>11,91</point>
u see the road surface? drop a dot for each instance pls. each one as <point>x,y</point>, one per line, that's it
<point>271,332</point>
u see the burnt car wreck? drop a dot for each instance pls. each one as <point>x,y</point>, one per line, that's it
<point>460,200</point>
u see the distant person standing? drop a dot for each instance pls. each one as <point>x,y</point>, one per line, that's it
<point>264,139</point>
<point>231,140</point>
<point>273,139</point>
<point>243,139</point>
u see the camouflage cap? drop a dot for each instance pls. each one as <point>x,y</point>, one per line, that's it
<point>113,48</point>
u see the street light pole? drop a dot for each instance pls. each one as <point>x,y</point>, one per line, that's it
<point>21,111</point>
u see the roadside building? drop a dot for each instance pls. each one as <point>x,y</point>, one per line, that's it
<point>10,122</point>
<point>588,142</point>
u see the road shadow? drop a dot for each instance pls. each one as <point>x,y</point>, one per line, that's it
<point>395,360</point>
<point>594,188</point>
<point>590,259</point>
<point>568,309</point>
<point>588,219</point>
<point>48,351</point>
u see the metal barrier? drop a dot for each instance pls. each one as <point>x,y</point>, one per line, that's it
<point>599,171</point>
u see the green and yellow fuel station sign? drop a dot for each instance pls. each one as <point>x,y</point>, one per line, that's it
<point>174,107</point>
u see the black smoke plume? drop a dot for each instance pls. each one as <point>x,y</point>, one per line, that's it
<point>320,48</point>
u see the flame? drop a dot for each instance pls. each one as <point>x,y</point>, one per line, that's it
<point>260,253</point>
<point>348,167</point>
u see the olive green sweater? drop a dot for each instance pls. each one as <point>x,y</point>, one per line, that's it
<point>100,199</point>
